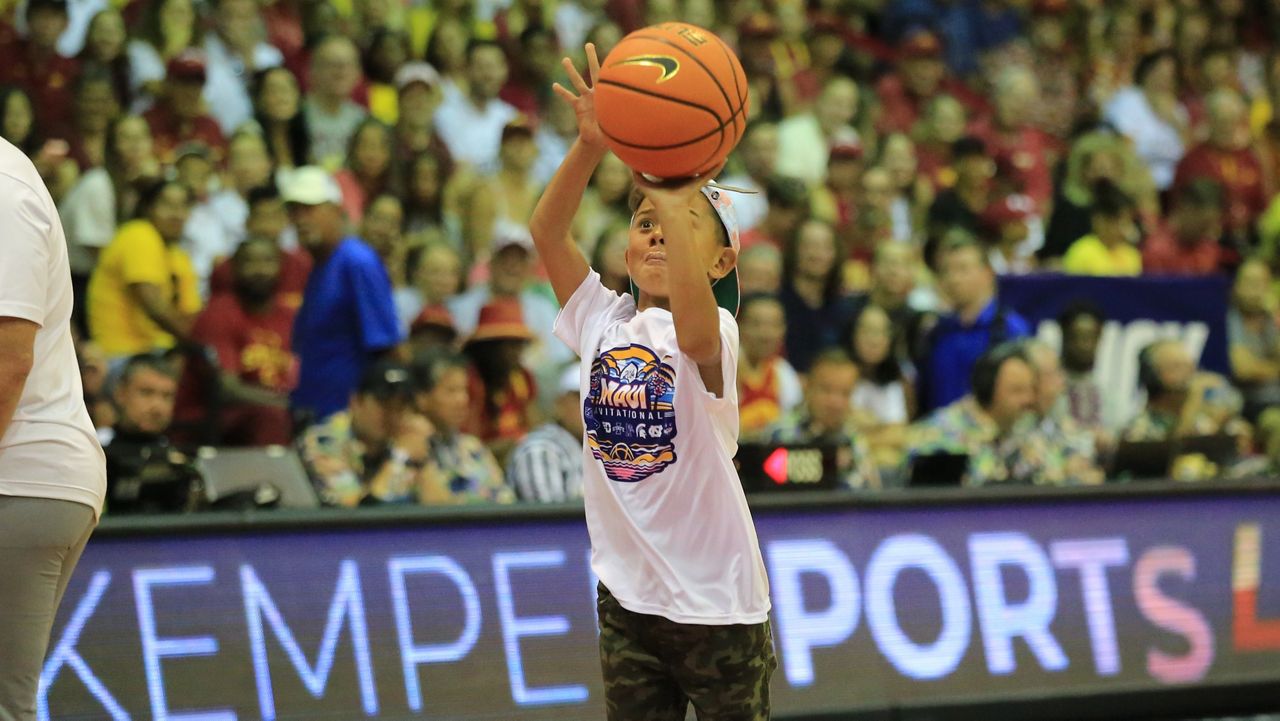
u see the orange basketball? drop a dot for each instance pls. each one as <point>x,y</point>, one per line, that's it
<point>672,100</point>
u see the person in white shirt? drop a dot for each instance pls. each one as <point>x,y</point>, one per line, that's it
<point>1151,116</point>
<point>672,539</point>
<point>471,123</point>
<point>233,53</point>
<point>53,476</point>
<point>805,140</point>
<point>546,466</point>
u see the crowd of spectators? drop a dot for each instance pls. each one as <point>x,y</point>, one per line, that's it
<point>305,222</point>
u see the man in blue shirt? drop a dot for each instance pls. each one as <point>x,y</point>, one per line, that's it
<point>348,317</point>
<point>977,322</point>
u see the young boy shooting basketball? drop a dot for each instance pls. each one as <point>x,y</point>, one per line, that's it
<point>683,597</point>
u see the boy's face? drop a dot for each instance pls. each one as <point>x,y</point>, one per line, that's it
<point>647,251</point>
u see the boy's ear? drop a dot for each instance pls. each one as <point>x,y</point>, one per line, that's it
<point>726,260</point>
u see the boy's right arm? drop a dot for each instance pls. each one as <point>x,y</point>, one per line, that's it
<point>566,266</point>
<point>553,216</point>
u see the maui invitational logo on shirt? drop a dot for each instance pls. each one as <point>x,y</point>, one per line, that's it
<point>630,413</point>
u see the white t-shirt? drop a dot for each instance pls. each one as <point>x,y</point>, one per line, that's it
<point>226,88</point>
<point>1157,143</point>
<point>471,134</point>
<point>50,449</point>
<point>671,534</point>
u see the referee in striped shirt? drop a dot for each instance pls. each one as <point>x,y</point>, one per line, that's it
<point>546,467</point>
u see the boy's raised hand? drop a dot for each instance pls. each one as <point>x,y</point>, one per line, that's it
<point>584,103</point>
<point>675,192</point>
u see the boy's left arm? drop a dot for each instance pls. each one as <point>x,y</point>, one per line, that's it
<point>693,305</point>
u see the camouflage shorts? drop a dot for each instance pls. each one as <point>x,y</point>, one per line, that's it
<point>654,667</point>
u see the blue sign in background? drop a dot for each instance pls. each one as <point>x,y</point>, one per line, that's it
<point>874,607</point>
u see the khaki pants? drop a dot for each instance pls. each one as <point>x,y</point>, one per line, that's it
<point>40,542</point>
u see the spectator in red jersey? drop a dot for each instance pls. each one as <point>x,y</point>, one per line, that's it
<point>34,65</point>
<point>1187,243</point>
<point>179,117</point>
<point>242,387</point>
<point>502,391</point>
<point>919,77</point>
<point>1029,151</point>
<point>1225,156</point>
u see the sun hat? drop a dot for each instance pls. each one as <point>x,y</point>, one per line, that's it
<point>501,320</point>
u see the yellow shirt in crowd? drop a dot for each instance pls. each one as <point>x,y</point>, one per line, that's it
<point>137,254</point>
<point>1088,256</point>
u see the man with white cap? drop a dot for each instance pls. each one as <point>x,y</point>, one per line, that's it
<point>348,316</point>
<point>546,466</point>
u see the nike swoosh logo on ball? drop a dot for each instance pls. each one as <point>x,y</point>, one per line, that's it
<point>669,65</point>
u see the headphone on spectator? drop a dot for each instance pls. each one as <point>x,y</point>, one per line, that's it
<point>985,371</point>
<point>1148,376</point>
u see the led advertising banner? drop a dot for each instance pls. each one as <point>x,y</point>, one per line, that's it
<point>873,607</point>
